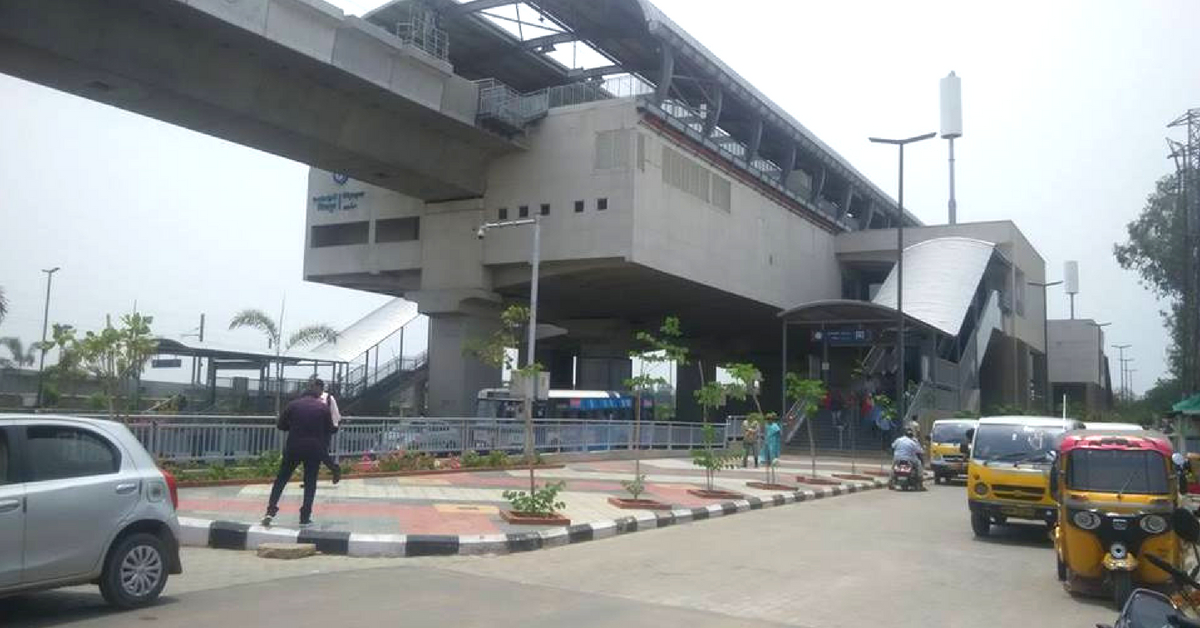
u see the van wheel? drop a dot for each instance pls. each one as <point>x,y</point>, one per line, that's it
<point>980,524</point>
<point>1122,584</point>
<point>135,571</point>
<point>1062,569</point>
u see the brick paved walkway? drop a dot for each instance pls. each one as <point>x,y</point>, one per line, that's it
<point>470,503</point>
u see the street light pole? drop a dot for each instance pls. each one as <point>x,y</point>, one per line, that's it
<point>45,324</point>
<point>531,390</point>
<point>1048,394</point>
<point>1122,349</point>
<point>901,384</point>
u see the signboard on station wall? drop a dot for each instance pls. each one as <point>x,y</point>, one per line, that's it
<point>844,336</point>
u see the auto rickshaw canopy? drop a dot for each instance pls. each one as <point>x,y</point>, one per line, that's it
<point>1115,439</point>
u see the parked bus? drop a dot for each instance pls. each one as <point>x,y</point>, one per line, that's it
<point>502,403</point>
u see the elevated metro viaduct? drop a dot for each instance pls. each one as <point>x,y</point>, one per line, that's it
<point>665,182</point>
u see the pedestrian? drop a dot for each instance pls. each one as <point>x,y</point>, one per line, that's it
<point>836,405</point>
<point>749,443</point>
<point>308,423</point>
<point>336,417</point>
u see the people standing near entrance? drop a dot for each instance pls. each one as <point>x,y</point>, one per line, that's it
<point>308,423</point>
<point>772,440</point>
<point>836,405</point>
<point>336,416</point>
<point>750,443</point>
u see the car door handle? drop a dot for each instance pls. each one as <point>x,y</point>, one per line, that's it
<point>9,505</point>
<point>126,488</point>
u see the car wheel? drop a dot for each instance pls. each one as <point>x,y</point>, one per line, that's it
<point>135,571</point>
<point>980,524</point>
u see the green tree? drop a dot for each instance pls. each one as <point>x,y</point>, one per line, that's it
<point>745,384</point>
<point>710,396</point>
<point>112,356</point>
<point>806,394</point>
<point>66,374</point>
<point>19,355</point>
<point>661,349</point>
<point>494,351</point>
<point>1156,251</point>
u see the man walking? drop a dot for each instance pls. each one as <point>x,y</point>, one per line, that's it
<point>308,423</point>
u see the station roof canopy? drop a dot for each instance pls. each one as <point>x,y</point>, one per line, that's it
<point>628,37</point>
<point>218,351</point>
<point>848,312</point>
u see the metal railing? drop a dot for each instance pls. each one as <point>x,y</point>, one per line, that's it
<point>225,439</point>
<point>360,379</point>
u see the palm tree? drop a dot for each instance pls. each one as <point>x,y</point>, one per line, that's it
<point>260,320</point>
<point>257,319</point>
<point>3,305</point>
<point>20,355</point>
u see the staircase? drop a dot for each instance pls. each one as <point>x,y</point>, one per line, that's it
<point>371,390</point>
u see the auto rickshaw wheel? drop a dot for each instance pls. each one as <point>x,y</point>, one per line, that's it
<point>980,524</point>
<point>1122,585</point>
<point>1062,569</point>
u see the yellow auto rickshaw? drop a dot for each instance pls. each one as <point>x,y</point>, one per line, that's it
<point>946,444</point>
<point>1116,493</point>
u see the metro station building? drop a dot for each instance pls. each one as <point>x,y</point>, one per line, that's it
<point>665,184</point>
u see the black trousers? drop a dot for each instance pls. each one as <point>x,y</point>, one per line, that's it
<point>312,465</point>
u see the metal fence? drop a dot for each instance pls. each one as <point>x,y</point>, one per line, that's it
<point>225,438</point>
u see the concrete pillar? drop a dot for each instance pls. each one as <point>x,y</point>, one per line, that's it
<point>560,362</point>
<point>687,382</point>
<point>455,378</point>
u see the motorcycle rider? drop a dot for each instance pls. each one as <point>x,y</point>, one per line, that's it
<point>907,448</point>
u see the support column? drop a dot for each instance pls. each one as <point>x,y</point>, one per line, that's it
<point>687,382</point>
<point>788,165</point>
<point>455,379</point>
<point>560,363</point>
<point>713,116</point>
<point>666,73</point>
<point>755,143</point>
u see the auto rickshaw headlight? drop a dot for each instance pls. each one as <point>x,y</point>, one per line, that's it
<point>1153,524</point>
<point>1086,520</point>
<point>981,488</point>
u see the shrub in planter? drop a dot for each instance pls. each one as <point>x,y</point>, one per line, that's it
<point>497,459</point>
<point>542,502</point>
<point>472,459</point>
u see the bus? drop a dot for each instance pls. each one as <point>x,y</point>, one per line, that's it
<point>502,403</point>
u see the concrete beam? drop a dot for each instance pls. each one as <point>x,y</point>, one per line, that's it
<point>282,76</point>
<point>604,70</point>
<point>549,40</point>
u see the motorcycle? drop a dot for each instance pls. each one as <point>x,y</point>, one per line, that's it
<point>905,476</point>
<point>1151,609</point>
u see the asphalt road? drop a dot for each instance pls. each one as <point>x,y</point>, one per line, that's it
<point>877,559</point>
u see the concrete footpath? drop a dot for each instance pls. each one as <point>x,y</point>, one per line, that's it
<point>459,513</point>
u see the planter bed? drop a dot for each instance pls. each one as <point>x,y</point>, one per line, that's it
<point>717,494</point>
<point>853,476</point>
<point>817,481</point>
<point>524,518</point>
<point>183,483</point>
<point>766,486</point>
<point>638,504</point>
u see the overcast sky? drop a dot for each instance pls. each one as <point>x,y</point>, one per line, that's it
<point>1065,106</point>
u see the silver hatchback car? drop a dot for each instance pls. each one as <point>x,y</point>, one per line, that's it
<point>81,501</point>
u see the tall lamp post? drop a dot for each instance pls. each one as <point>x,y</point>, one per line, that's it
<point>1048,394</point>
<point>1122,349</point>
<point>45,324</point>
<point>900,379</point>
<point>535,260</point>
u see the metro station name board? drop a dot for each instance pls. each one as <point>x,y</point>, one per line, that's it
<point>843,336</point>
<point>338,201</point>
